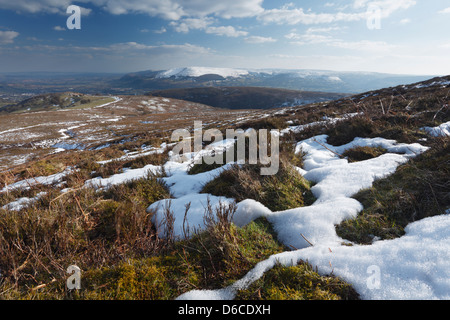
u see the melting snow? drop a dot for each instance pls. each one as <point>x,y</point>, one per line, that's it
<point>44,180</point>
<point>414,266</point>
<point>439,131</point>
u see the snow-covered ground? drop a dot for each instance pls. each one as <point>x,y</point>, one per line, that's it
<point>43,180</point>
<point>22,203</point>
<point>441,130</point>
<point>414,266</point>
<point>411,267</point>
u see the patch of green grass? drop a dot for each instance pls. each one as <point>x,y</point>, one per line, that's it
<point>363,153</point>
<point>214,258</point>
<point>267,123</point>
<point>84,227</point>
<point>418,189</point>
<point>298,282</point>
<point>92,101</point>
<point>285,190</point>
<point>345,131</point>
<point>205,167</point>
<point>154,278</point>
<point>402,128</point>
<point>116,166</point>
<point>143,191</point>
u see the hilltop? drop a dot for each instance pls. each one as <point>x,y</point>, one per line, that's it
<point>362,191</point>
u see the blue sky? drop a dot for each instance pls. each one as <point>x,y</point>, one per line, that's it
<point>125,36</point>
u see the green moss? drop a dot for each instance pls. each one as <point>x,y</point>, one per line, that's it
<point>205,167</point>
<point>224,253</point>
<point>285,190</point>
<point>298,282</point>
<point>143,191</point>
<point>418,189</point>
<point>268,123</point>
<point>105,215</point>
<point>153,278</point>
<point>363,153</point>
<point>345,131</point>
<point>214,258</point>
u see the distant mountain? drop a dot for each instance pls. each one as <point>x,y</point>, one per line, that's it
<point>16,86</point>
<point>247,97</point>
<point>305,80</point>
<point>195,72</point>
<point>55,101</point>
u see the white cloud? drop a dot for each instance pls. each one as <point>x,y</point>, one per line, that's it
<point>8,36</point>
<point>205,24</point>
<point>47,6</point>
<point>185,25</point>
<point>294,16</point>
<point>130,47</point>
<point>405,21</point>
<point>290,15</point>
<point>326,30</point>
<point>228,31</point>
<point>225,9</point>
<point>160,31</point>
<point>58,28</point>
<point>363,45</point>
<point>35,6</point>
<point>316,36</point>
<point>444,11</point>
<point>167,9</point>
<point>175,10</point>
<point>259,39</point>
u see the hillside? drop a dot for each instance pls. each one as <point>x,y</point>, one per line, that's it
<point>56,101</point>
<point>247,97</point>
<point>358,209</point>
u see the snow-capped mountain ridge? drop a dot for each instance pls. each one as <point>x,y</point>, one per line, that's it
<point>295,79</point>
<point>201,71</point>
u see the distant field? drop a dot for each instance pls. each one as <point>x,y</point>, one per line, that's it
<point>25,135</point>
<point>56,101</point>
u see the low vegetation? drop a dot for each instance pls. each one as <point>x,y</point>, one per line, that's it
<point>109,234</point>
<point>363,153</point>
<point>300,282</point>
<point>418,189</point>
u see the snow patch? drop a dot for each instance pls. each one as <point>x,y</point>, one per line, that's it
<point>44,180</point>
<point>439,131</point>
<point>422,271</point>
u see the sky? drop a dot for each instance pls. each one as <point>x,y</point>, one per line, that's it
<point>119,36</point>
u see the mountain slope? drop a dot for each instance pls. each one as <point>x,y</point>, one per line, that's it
<point>362,191</point>
<point>56,101</point>
<point>247,97</point>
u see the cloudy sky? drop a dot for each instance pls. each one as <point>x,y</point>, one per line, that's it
<point>394,36</point>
